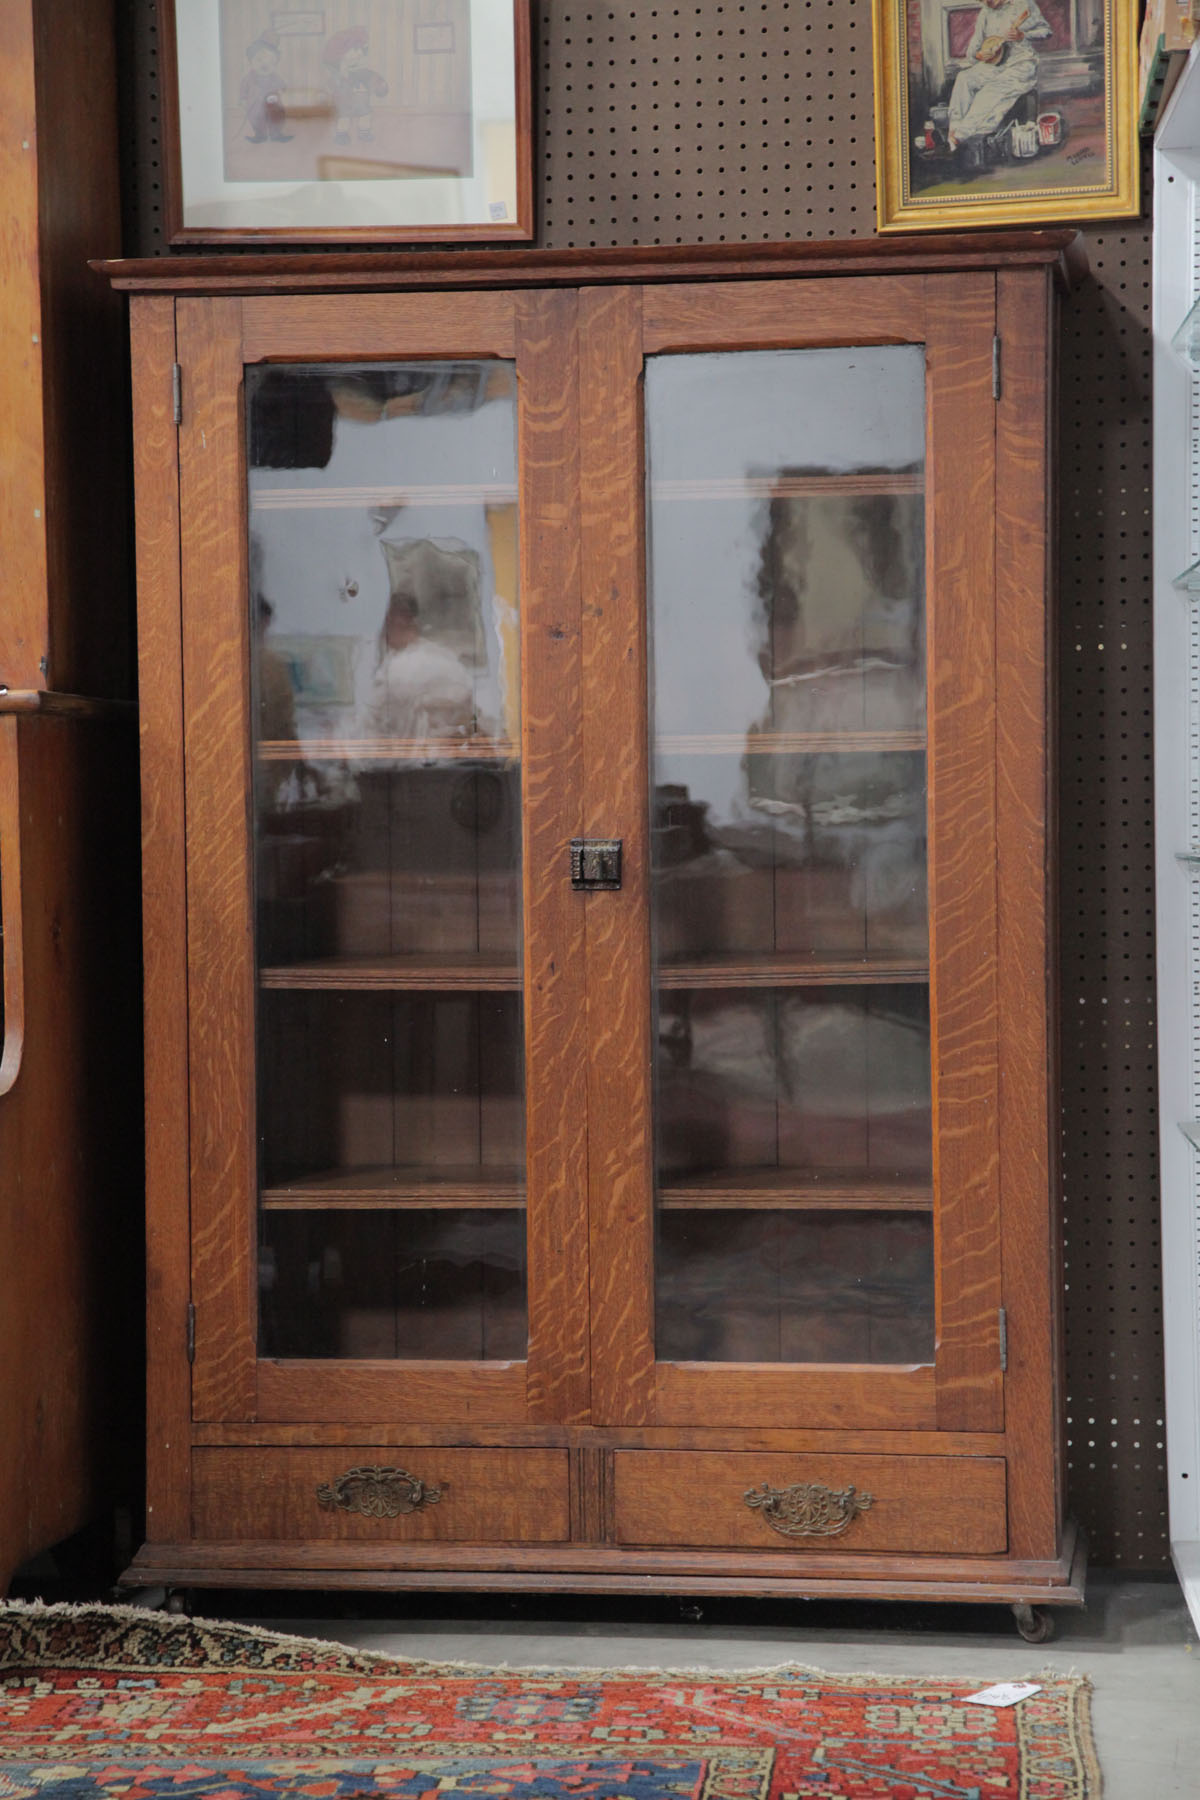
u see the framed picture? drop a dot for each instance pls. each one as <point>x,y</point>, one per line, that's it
<point>1004,112</point>
<point>389,121</point>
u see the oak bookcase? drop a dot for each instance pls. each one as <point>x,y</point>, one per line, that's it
<point>598,892</point>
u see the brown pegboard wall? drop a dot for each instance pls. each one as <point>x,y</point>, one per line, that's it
<point>1109,1067</point>
<point>741,122</point>
<point>704,123</point>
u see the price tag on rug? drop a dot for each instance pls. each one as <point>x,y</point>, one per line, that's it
<point>1004,1693</point>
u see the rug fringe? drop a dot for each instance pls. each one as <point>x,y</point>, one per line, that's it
<point>167,1625</point>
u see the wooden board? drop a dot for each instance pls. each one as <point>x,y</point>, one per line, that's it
<point>962,883</point>
<point>164,920</point>
<point>1028,912</point>
<point>620,1129</point>
<point>67,620</point>
<point>70,1346</point>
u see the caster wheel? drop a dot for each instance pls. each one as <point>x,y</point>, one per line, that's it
<point>690,1613</point>
<point>1034,1623</point>
<point>179,1602</point>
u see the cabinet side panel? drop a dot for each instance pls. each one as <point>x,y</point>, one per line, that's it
<point>88,597</point>
<point>556,1023</point>
<point>618,939</point>
<point>1031,1250</point>
<point>69,1267</point>
<point>164,919</point>
<point>962,883</point>
<point>23,557</point>
<point>219,788</point>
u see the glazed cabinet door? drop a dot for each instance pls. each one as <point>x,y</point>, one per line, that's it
<point>789,643</point>
<point>381,691</point>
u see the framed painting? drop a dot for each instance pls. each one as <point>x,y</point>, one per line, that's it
<point>390,121</point>
<point>1004,112</point>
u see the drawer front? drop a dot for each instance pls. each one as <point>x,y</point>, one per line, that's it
<point>371,1495</point>
<point>771,1502</point>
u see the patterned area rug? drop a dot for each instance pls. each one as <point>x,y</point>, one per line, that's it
<point>116,1704</point>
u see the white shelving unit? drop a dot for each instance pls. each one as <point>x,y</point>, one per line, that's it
<point>1177,787</point>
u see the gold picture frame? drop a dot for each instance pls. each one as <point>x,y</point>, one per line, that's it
<point>1004,112</point>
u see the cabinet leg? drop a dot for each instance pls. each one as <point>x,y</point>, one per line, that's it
<point>1035,1623</point>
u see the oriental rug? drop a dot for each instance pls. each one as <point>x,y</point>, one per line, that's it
<point>120,1704</point>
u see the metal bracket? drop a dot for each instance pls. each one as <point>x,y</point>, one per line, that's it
<point>595,863</point>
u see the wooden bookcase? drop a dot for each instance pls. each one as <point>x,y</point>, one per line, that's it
<point>695,1225</point>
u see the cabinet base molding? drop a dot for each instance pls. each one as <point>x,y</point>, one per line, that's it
<point>993,1581</point>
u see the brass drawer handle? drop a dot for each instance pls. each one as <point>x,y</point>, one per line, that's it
<point>808,1509</point>
<point>379,1493</point>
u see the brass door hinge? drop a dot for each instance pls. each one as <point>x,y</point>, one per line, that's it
<point>995,368</point>
<point>1003,1341</point>
<point>177,393</point>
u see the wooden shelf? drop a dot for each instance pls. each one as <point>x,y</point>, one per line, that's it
<point>400,1189</point>
<point>770,969</point>
<point>434,973</point>
<point>795,1190</point>
<point>416,750</point>
<point>471,493</point>
<point>437,973</point>
<point>852,485</point>
<point>785,743</point>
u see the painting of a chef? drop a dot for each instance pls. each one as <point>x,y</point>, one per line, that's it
<point>1001,66</point>
<point>1004,111</point>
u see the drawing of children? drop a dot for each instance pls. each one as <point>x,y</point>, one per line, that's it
<point>353,86</point>
<point>259,93</point>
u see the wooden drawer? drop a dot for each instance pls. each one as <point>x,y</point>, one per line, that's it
<point>917,1503</point>
<point>516,1496</point>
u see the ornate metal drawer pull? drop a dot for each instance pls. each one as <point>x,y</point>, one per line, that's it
<point>808,1509</point>
<point>379,1493</point>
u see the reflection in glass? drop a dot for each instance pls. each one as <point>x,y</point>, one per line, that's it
<point>787,618</point>
<point>754,1286</point>
<point>385,670</point>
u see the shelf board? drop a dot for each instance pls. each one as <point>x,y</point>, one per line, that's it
<point>434,973</point>
<point>1187,339</point>
<point>1189,581</point>
<point>469,493</point>
<point>793,1190</point>
<point>417,750</point>
<point>1191,1131</point>
<point>851,485</point>
<point>771,969</point>
<point>1189,859</point>
<point>785,743</point>
<point>400,1189</point>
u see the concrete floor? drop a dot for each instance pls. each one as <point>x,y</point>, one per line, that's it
<point>1134,1639</point>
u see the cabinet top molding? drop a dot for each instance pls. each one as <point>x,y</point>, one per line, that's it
<point>1063,251</point>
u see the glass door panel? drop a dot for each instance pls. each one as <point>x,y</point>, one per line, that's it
<point>387,866</point>
<point>793,1136</point>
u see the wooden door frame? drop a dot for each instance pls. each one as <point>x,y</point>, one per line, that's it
<point>216,339</point>
<point>619,327</point>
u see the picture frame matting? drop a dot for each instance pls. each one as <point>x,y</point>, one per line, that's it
<point>387,121</point>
